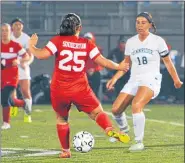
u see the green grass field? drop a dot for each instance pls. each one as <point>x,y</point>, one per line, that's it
<point>164,138</point>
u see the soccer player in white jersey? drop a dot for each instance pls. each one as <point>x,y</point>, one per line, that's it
<point>142,52</point>
<point>24,73</point>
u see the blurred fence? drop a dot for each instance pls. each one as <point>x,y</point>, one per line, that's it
<point>107,20</point>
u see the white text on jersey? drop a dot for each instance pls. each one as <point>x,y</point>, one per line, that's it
<point>74,45</point>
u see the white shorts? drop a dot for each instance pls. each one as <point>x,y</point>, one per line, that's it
<point>24,74</point>
<point>152,82</point>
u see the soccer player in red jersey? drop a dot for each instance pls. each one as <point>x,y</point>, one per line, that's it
<point>69,82</point>
<point>10,51</point>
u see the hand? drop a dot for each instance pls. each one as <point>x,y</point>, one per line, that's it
<point>15,62</point>
<point>123,66</point>
<point>33,40</point>
<point>178,84</point>
<point>110,84</point>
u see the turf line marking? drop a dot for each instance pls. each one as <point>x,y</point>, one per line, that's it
<point>37,110</point>
<point>155,120</point>
<point>31,152</point>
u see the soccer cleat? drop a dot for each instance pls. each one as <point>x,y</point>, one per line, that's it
<point>13,111</point>
<point>5,126</point>
<point>137,147</point>
<point>125,130</point>
<point>120,136</point>
<point>65,154</point>
<point>27,118</point>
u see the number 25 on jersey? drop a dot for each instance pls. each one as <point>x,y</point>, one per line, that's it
<point>72,56</point>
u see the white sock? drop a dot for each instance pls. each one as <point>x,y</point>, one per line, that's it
<point>29,103</point>
<point>121,121</point>
<point>139,126</point>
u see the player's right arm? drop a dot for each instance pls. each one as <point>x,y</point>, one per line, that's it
<point>104,62</point>
<point>37,52</point>
<point>110,84</point>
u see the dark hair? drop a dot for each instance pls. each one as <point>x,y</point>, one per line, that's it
<point>69,24</point>
<point>148,16</point>
<point>17,20</point>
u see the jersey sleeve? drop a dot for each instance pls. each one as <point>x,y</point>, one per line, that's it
<point>20,50</point>
<point>52,45</point>
<point>127,48</point>
<point>163,48</point>
<point>93,51</point>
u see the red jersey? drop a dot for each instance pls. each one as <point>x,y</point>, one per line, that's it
<point>71,53</point>
<point>92,65</point>
<point>10,52</point>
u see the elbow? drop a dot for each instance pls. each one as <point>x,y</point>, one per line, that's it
<point>39,57</point>
<point>42,57</point>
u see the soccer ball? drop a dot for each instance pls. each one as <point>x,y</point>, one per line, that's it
<point>83,141</point>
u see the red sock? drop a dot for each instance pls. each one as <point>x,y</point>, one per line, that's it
<point>103,121</point>
<point>63,135</point>
<point>6,114</point>
<point>18,102</point>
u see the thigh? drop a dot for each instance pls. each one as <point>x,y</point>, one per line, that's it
<point>153,83</point>
<point>25,88</point>
<point>122,102</point>
<point>143,96</point>
<point>86,101</point>
<point>24,85</point>
<point>60,103</point>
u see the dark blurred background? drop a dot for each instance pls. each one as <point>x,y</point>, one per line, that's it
<point>111,22</point>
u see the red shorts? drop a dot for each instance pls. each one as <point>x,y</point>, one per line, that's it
<point>9,77</point>
<point>85,101</point>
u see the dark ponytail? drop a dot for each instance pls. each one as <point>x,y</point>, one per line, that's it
<point>69,24</point>
<point>154,27</point>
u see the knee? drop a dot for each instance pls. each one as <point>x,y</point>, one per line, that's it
<point>136,107</point>
<point>94,114</point>
<point>62,119</point>
<point>116,110</point>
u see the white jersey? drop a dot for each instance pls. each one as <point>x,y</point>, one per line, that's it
<point>23,39</point>
<point>145,56</point>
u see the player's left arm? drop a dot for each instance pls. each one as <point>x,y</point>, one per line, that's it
<point>172,71</point>
<point>38,52</point>
<point>164,53</point>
